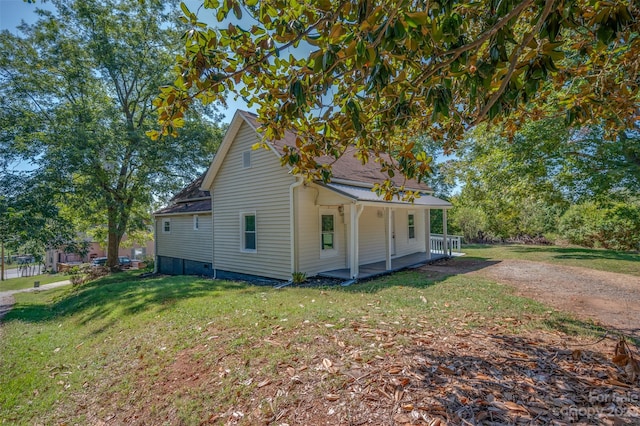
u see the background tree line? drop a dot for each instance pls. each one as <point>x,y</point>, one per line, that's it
<point>547,183</point>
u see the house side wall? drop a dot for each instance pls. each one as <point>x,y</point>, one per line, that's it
<point>404,245</point>
<point>264,189</point>
<point>371,232</point>
<point>183,242</point>
<point>311,258</point>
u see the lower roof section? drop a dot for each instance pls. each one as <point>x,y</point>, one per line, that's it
<point>367,195</point>
<point>200,206</point>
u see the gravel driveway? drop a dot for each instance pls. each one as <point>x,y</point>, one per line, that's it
<point>609,298</point>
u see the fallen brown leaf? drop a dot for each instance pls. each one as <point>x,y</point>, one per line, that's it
<point>264,383</point>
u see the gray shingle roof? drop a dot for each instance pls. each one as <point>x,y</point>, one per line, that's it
<point>191,199</point>
<point>347,167</point>
<point>191,191</point>
<point>201,206</point>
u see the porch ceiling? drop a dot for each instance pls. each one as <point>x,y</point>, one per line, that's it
<point>367,195</point>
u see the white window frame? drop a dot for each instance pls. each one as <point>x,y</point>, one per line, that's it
<point>166,222</point>
<point>409,226</point>
<point>243,231</point>
<point>332,251</point>
<point>246,159</point>
<point>196,222</point>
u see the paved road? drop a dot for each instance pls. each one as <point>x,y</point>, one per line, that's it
<point>7,300</point>
<point>15,272</point>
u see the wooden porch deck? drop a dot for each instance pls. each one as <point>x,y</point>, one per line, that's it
<point>379,268</point>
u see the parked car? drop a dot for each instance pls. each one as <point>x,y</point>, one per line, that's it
<point>124,262</point>
<point>99,261</point>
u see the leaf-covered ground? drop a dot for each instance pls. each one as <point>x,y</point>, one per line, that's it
<point>390,375</point>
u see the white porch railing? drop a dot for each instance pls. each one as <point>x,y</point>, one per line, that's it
<point>453,244</point>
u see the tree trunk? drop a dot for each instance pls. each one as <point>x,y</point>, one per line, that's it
<point>113,246</point>
<point>2,261</point>
<point>114,236</point>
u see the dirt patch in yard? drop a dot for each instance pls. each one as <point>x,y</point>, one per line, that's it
<point>609,299</point>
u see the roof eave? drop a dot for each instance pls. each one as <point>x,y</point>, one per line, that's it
<point>156,214</point>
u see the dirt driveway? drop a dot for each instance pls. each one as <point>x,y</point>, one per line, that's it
<point>608,298</point>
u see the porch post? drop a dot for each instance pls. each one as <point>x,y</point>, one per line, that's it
<point>427,238</point>
<point>353,241</point>
<point>387,237</point>
<point>444,232</point>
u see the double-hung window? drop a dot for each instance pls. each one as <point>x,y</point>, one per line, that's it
<point>328,232</point>
<point>412,225</point>
<point>196,222</point>
<point>166,226</point>
<point>249,232</point>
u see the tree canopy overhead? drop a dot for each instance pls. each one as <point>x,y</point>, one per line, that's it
<point>374,73</point>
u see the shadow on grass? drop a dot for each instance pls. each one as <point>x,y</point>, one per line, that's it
<point>572,326</point>
<point>579,253</point>
<point>584,254</point>
<point>423,276</point>
<point>125,292</point>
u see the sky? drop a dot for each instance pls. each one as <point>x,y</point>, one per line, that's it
<point>12,12</point>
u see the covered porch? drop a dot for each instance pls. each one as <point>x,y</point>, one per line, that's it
<point>386,236</point>
<point>375,269</point>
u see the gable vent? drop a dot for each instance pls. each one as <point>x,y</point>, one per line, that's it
<point>246,159</point>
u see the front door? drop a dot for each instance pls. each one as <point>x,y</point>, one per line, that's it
<point>393,233</point>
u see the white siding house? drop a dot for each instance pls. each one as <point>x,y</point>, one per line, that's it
<point>263,221</point>
<point>248,184</point>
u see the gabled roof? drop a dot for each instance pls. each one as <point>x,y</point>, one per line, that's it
<point>191,199</point>
<point>192,192</point>
<point>347,168</point>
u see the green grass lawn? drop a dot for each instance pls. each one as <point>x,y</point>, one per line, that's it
<point>27,282</point>
<point>82,355</point>
<point>603,260</point>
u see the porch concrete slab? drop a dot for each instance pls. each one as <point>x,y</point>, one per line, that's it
<point>374,269</point>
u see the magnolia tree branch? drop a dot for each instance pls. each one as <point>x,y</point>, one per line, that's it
<point>514,61</point>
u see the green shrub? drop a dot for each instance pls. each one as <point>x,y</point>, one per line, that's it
<point>614,226</point>
<point>621,227</point>
<point>538,218</point>
<point>84,273</point>
<point>576,224</point>
<point>298,277</point>
<point>149,263</point>
<point>472,222</point>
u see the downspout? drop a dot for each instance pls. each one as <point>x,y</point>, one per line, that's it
<point>213,240</point>
<point>292,217</point>
<point>155,244</point>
